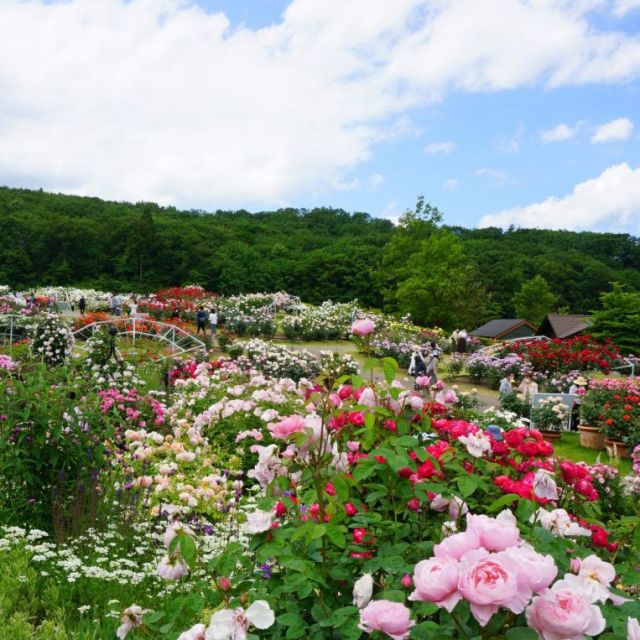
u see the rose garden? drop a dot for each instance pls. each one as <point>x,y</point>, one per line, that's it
<point>286,478</point>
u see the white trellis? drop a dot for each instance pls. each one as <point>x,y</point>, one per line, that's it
<point>12,327</point>
<point>181,341</point>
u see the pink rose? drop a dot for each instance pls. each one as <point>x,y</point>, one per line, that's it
<point>489,581</point>
<point>283,429</point>
<point>436,580</point>
<point>536,572</point>
<point>457,545</point>
<point>389,617</point>
<point>596,575</point>
<point>368,398</point>
<point>362,328</point>
<point>562,613</point>
<point>633,629</point>
<point>495,534</point>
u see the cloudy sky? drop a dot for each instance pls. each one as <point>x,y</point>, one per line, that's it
<point>500,112</point>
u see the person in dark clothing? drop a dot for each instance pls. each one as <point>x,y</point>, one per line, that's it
<point>82,305</point>
<point>201,321</point>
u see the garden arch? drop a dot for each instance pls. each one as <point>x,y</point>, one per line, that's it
<point>180,341</point>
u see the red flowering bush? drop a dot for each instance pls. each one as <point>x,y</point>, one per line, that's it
<point>561,356</point>
<point>614,407</point>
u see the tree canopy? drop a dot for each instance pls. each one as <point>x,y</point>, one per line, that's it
<point>442,275</point>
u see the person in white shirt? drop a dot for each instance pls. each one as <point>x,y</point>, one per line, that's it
<point>213,320</point>
<point>528,388</point>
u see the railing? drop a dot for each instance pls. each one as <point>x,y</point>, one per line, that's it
<point>12,327</point>
<point>180,340</point>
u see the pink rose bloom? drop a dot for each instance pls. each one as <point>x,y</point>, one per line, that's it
<point>489,581</point>
<point>388,617</point>
<point>536,572</point>
<point>633,629</point>
<point>454,506</point>
<point>562,613</point>
<point>436,580</point>
<point>439,385</point>
<point>450,397</point>
<point>196,632</point>
<point>423,381</point>
<point>457,545</point>
<point>362,327</point>
<point>368,398</point>
<point>283,429</point>
<point>495,534</point>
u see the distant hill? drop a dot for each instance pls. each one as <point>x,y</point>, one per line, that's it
<point>317,254</point>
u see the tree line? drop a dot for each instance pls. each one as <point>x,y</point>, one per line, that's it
<point>442,275</point>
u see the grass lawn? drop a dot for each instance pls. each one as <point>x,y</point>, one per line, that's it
<point>569,447</point>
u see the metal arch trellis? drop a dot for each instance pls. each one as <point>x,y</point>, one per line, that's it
<point>181,341</point>
<point>12,327</point>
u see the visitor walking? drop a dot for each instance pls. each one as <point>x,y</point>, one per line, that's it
<point>417,366</point>
<point>201,321</point>
<point>82,305</point>
<point>133,308</point>
<point>462,341</point>
<point>453,339</point>
<point>528,388</point>
<point>506,385</point>
<point>431,370</point>
<point>213,321</point>
<point>577,389</point>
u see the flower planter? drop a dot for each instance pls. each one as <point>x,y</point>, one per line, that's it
<point>591,437</point>
<point>617,449</point>
<point>551,436</point>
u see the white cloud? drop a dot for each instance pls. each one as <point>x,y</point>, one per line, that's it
<point>512,143</point>
<point>391,212</point>
<point>159,100</point>
<point>375,181</point>
<point>622,7</point>
<point>450,185</point>
<point>611,201</point>
<point>560,133</point>
<point>439,147</point>
<point>495,178</point>
<point>619,129</point>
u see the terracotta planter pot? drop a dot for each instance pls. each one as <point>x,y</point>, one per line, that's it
<point>591,437</point>
<point>551,436</point>
<point>617,449</point>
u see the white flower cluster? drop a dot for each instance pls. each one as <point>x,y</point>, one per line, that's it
<point>328,321</point>
<point>52,340</point>
<point>279,361</point>
<point>248,314</point>
<point>95,300</point>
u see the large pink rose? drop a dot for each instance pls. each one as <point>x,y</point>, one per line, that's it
<point>389,617</point>
<point>537,572</point>
<point>436,580</point>
<point>457,545</point>
<point>490,580</point>
<point>362,327</point>
<point>284,428</point>
<point>563,613</point>
<point>496,534</point>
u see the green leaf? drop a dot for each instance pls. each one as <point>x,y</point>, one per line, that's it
<point>389,366</point>
<point>337,536</point>
<point>317,531</point>
<point>522,633</point>
<point>467,485</point>
<point>503,501</point>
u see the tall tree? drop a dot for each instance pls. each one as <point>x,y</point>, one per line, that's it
<point>534,300</point>
<point>619,319</point>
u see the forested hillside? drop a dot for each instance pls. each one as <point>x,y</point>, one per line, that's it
<point>316,254</point>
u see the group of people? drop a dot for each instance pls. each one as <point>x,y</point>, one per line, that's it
<point>206,317</point>
<point>424,363</point>
<point>458,340</point>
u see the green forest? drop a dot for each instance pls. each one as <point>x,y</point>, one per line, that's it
<point>422,266</point>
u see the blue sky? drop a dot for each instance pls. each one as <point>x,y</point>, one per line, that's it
<point>497,111</point>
